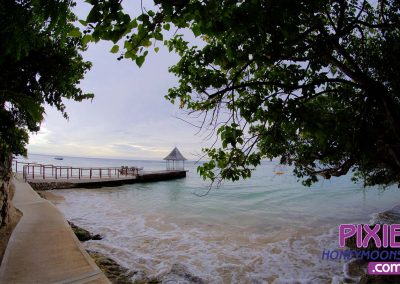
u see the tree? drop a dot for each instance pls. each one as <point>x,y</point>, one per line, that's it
<point>40,63</point>
<point>314,83</point>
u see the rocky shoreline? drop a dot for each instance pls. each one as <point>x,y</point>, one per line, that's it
<point>115,272</point>
<point>357,267</point>
<point>118,274</point>
<point>82,234</point>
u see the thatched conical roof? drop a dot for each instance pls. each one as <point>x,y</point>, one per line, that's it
<point>175,155</point>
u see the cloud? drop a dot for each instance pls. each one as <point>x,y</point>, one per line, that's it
<point>129,116</point>
<point>40,138</point>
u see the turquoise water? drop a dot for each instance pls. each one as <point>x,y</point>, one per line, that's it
<point>269,229</point>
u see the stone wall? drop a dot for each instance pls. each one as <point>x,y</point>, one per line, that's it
<point>50,185</point>
<point>6,188</point>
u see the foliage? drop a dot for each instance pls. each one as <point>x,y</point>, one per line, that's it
<point>40,64</point>
<point>314,83</point>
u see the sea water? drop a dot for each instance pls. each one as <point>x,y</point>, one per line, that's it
<point>268,229</point>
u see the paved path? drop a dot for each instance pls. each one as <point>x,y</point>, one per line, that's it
<point>43,248</point>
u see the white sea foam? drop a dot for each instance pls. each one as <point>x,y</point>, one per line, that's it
<point>217,252</point>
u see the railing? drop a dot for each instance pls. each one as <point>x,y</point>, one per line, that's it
<point>39,171</point>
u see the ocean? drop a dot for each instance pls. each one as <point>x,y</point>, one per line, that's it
<point>268,229</point>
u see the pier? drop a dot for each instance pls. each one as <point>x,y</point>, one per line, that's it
<point>48,177</point>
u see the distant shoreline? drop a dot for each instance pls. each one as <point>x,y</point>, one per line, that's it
<point>105,158</point>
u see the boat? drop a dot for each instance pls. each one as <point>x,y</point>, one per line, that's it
<point>279,170</point>
<point>58,158</point>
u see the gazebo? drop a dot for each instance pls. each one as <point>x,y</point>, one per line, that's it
<point>175,160</point>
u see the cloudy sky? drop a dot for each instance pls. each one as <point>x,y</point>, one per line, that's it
<point>129,116</point>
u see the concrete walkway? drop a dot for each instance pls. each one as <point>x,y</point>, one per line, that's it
<point>43,248</point>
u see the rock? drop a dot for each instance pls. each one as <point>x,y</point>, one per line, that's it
<point>356,268</point>
<point>118,274</point>
<point>359,267</point>
<point>379,279</point>
<point>82,234</point>
<point>180,274</point>
<point>38,186</point>
<point>6,189</point>
<point>391,216</point>
<point>97,237</point>
<point>113,271</point>
<point>9,216</point>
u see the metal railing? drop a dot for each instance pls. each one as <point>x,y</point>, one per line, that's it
<point>39,171</point>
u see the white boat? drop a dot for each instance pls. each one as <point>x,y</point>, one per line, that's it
<point>279,170</point>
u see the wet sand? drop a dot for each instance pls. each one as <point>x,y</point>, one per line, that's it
<point>51,196</point>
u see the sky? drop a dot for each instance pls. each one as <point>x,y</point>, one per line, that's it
<point>128,118</point>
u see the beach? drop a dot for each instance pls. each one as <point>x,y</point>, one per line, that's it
<point>269,229</point>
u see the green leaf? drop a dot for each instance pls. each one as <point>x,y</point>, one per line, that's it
<point>115,48</point>
<point>74,32</point>
<point>133,24</point>
<point>158,36</point>
<point>94,15</point>
<point>196,30</point>
<point>140,60</point>
<point>156,49</point>
<point>43,47</point>
<point>282,78</point>
<point>86,39</point>
<point>167,26</point>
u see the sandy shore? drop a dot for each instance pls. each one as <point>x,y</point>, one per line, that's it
<point>54,198</point>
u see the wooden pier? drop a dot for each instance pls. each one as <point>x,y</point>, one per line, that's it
<point>48,177</point>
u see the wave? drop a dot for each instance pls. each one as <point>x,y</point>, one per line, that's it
<point>218,252</point>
